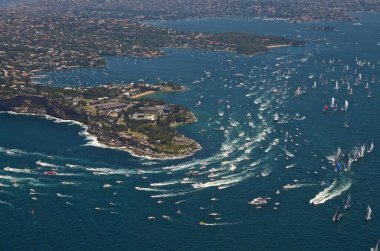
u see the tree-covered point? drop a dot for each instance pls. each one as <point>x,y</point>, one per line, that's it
<point>246,43</point>
<point>161,130</point>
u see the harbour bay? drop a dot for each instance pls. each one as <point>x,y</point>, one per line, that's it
<point>248,153</point>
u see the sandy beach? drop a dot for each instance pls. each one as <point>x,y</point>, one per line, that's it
<point>278,46</point>
<point>143,94</point>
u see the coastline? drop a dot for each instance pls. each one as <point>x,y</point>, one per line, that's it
<point>93,140</point>
<point>143,94</point>
<point>148,93</point>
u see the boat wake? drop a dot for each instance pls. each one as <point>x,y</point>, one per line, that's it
<point>219,223</point>
<point>340,185</point>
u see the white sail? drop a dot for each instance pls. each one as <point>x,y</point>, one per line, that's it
<point>336,85</point>
<point>298,91</point>
<point>376,248</point>
<point>315,84</point>
<point>332,102</point>
<point>370,149</point>
<point>338,152</point>
<point>349,163</point>
<point>346,106</point>
<point>367,86</point>
<point>369,213</point>
<point>351,92</point>
<point>362,151</point>
<point>348,86</point>
<point>348,202</point>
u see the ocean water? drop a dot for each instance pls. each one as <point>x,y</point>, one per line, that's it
<point>101,198</point>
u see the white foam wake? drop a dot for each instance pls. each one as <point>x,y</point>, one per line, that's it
<point>17,170</point>
<point>332,191</point>
<point>166,183</point>
<point>45,164</point>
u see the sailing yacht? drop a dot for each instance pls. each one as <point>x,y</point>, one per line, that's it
<point>376,248</point>
<point>179,210</point>
<point>336,85</point>
<point>370,149</point>
<point>347,205</point>
<point>369,213</point>
<point>337,215</point>
<point>349,163</point>
<point>346,123</point>
<point>332,102</point>
<point>338,153</point>
<point>369,94</point>
<point>315,85</point>
<point>362,151</point>
<point>346,106</point>
<point>298,91</point>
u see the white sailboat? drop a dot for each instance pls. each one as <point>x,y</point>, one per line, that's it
<point>346,123</point>
<point>337,215</point>
<point>351,92</point>
<point>338,152</point>
<point>346,106</point>
<point>376,248</point>
<point>315,85</point>
<point>298,91</point>
<point>370,149</point>
<point>349,163</point>
<point>367,86</point>
<point>369,94</point>
<point>347,205</point>
<point>332,102</point>
<point>362,151</point>
<point>336,85</point>
<point>369,213</point>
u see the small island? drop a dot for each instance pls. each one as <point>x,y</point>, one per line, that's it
<point>113,114</point>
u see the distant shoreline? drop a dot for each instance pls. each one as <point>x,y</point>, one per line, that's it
<point>143,94</point>
<point>147,93</point>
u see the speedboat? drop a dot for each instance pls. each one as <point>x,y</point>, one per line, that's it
<point>258,201</point>
<point>276,117</point>
<point>214,214</point>
<point>50,173</point>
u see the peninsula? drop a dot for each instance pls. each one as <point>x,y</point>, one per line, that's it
<point>145,128</point>
<point>50,36</point>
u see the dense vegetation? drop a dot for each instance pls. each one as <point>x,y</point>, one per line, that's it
<point>251,44</point>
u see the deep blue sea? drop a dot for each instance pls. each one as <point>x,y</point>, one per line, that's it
<point>104,199</point>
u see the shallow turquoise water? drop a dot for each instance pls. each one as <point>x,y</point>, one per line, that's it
<point>73,211</point>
